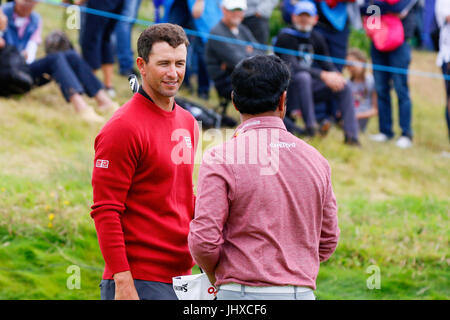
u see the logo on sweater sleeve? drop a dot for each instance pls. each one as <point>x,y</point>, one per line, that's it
<point>102,163</point>
<point>187,139</point>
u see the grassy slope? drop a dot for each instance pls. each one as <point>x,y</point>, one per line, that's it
<point>394,204</point>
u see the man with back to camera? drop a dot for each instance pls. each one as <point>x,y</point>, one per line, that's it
<point>263,233</point>
<point>142,177</point>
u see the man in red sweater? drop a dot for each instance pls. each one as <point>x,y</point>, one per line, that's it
<point>142,177</point>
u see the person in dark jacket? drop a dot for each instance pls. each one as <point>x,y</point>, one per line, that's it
<point>222,57</point>
<point>314,80</point>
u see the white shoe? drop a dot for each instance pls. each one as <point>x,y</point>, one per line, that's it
<point>111,92</point>
<point>404,142</point>
<point>379,137</point>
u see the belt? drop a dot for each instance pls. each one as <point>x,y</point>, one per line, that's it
<point>272,289</point>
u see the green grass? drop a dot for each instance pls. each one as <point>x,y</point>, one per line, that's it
<point>394,204</point>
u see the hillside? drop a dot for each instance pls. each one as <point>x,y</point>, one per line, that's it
<point>394,204</point>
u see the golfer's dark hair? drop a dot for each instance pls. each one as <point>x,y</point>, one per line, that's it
<point>258,83</point>
<point>173,34</point>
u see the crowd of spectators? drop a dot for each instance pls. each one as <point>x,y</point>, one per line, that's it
<point>322,92</point>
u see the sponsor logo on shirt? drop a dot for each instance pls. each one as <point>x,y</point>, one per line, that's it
<point>283,145</point>
<point>102,163</point>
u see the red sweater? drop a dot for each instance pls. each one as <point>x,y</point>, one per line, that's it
<point>143,190</point>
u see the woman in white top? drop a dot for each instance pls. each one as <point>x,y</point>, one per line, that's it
<point>442,11</point>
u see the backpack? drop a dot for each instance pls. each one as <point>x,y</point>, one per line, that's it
<point>209,118</point>
<point>15,77</point>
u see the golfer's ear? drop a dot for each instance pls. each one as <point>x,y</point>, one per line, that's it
<point>282,102</point>
<point>140,64</point>
<point>232,100</point>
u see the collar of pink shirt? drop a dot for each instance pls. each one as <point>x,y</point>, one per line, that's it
<point>258,123</point>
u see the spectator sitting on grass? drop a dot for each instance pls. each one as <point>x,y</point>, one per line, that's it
<point>362,85</point>
<point>313,81</point>
<point>68,69</point>
<point>222,57</point>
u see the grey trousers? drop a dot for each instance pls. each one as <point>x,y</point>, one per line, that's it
<point>242,295</point>
<point>147,290</point>
<point>304,91</point>
<point>363,124</point>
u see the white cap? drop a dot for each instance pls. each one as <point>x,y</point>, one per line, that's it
<point>234,4</point>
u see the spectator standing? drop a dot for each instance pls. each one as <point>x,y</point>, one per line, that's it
<point>67,68</point>
<point>314,81</point>
<point>125,54</point>
<point>193,15</point>
<point>257,18</point>
<point>362,85</point>
<point>142,178</point>
<point>96,43</point>
<point>157,4</point>
<point>430,27</point>
<point>260,231</point>
<point>418,12</point>
<point>443,61</point>
<point>397,58</point>
<point>334,25</point>
<point>205,14</point>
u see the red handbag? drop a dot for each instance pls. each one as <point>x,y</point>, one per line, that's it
<point>389,35</point>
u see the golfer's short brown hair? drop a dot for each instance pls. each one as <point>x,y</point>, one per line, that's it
<point>173,34</point>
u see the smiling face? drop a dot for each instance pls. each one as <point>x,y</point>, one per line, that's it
<point>164,72</point>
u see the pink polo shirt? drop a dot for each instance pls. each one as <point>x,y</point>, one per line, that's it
<point>266,213</point>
